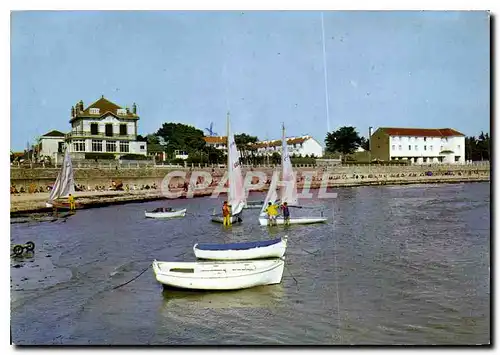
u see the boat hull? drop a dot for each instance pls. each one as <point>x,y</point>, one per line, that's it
<point>179,213</point>
<point>61,206</point>
<point>210,275</point>
<point>242,251</point>
<point>263,221</point>
<point>219,219</point>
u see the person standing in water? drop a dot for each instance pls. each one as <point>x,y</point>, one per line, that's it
<point>272,212</point>
<point>71,200</point>
<point>226,214</point>
<point>286,213</point>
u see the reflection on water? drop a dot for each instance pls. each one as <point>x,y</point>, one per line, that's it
<point>393,265</point>
<point>257,297</point>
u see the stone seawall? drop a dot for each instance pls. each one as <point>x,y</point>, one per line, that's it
<point>42,177</point>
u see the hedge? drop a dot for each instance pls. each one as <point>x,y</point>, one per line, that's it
<point>134,157</point>
<point>99,156</point>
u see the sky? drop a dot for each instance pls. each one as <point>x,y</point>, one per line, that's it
<point>385,69</point>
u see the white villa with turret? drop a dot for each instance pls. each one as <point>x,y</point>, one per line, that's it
<point>104,127</point>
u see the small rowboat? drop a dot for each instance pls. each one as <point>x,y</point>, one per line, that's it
<point>264,221</point>
<point>219,275</point>
<point>164,213</point>
<point>242,251</point>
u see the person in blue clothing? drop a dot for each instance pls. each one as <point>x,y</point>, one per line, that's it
<point>286,213</point>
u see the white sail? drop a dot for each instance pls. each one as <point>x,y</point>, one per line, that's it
<point>237,196</point>
<point>272,194</point>
<point>289,186</point>
<point>65,183</point>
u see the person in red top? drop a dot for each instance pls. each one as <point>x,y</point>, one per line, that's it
<point>226,213</point>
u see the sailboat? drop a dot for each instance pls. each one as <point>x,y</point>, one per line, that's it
<point>64,185</point>
<point>236,194</point>
<point>288,190</point>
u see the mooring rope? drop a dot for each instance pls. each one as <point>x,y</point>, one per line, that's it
<point>293,277</point>
<point>126,283</point>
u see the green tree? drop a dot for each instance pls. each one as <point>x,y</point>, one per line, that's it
<point>182,137</point>
<point>345,140</point>
<point>477,149</point>
<point>242,140</point>
<point>365,143</point>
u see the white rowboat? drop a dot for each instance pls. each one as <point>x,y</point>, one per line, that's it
<point>219,275</point>
<point>242,251</point>
<point>169,214</point>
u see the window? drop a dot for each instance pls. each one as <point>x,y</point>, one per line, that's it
<point>457,159</point>
<point>409,147</point>
<point>96,146</point>
<point>430,147</point>
<point>425,159</point>
<point>416,147</point>
<point>458,146</point>
<point>79,146</point>
<point>123,130</point>
<point>425,147</point>
<point>141,147</point>
<point>400,148</point>
<point>121,111</point>
<point>124,147</point>
<point>60,147</point>
<point>393,147</point>
<point>94,111</point>
<point>94,129</point>
<point>110,146</point>
<point>425,139</point>
<point>109,130</point>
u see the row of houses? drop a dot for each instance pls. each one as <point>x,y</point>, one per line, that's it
<point>105,127</point>
<point>297,146</point>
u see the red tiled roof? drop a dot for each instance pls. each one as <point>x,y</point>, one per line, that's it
<point>422,132</point>
<point>54,133</point>
<point>277,142</point>
<point>215,140</point>
<point>105,106</point>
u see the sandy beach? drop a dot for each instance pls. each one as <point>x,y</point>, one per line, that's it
<point>35,202</point>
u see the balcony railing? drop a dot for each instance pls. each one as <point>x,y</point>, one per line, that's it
<point>79,134</point>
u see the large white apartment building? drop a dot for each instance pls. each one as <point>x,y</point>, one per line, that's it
<point>419,145</point>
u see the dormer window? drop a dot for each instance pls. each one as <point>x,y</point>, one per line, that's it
<point>121,111</point>
<point>94,111</point>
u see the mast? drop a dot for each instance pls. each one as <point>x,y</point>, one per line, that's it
<point>227,141</point>
<point>325,74</point>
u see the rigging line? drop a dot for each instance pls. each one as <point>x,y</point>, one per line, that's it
<point>325,74</point>
<point>224,77</point>
<point>336,270</point>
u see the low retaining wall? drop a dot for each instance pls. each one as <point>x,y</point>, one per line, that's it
<point>92,178</point>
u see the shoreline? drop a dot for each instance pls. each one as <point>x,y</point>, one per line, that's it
<point>22,204</point>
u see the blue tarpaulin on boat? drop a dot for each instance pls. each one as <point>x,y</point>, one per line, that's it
<point>238,246</point>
